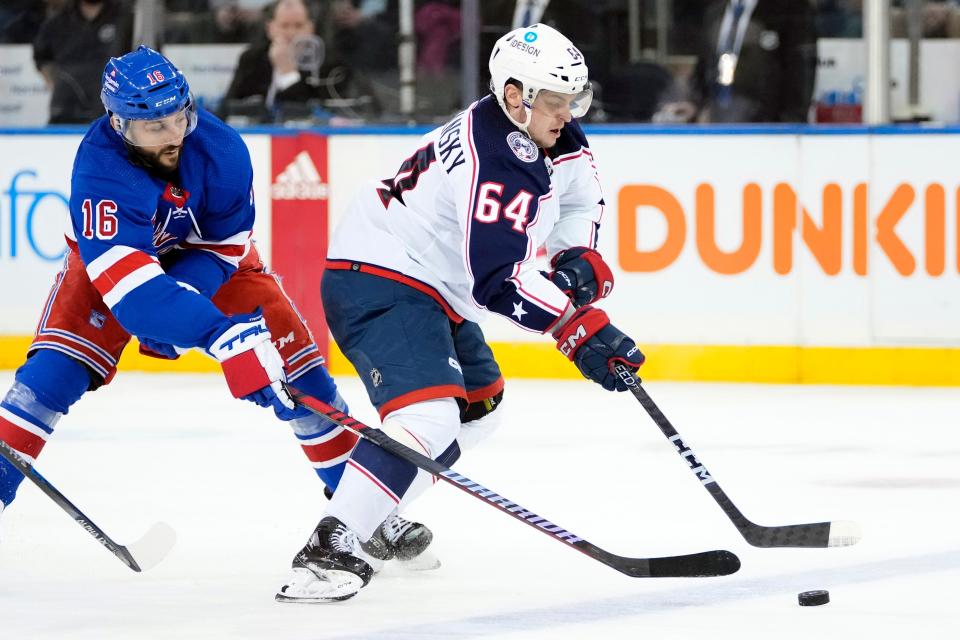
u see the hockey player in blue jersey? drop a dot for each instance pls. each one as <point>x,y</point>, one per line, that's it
<point>424,255</point>
<point>162,210</point>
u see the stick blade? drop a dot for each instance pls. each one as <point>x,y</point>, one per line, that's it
<point>707,564</point>
<point>152,547</point>
<point>840,533</point>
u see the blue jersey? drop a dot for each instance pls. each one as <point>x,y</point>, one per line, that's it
<point>468,211</point>
<point>158,249</point>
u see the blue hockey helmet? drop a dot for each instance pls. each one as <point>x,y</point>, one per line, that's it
<point>145,85</point>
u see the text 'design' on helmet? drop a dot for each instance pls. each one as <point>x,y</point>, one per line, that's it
<point>145,85</point>
<point>540,58</point>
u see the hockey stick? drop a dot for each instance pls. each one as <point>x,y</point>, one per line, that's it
<point>705,564</point>
<point>143,554</point>
<point>839,533</point>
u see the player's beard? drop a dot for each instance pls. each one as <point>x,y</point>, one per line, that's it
<point>162,161</point>
<point>167,159</point>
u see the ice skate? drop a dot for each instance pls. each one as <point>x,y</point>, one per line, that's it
<point>328,568</point>
<point>402,540</point>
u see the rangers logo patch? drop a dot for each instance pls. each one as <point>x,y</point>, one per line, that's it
<point>523,147</point>
<point>97,319</point>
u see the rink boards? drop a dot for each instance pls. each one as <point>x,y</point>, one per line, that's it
<point>762,254</point>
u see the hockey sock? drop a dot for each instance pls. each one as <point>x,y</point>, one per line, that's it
<point>425,480</point>
<point>44,389</point>
<point>326,444</point>
<point>375,482</point>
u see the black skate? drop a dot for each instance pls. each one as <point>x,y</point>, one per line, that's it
<point>401,539</point>
<point>327,569</point>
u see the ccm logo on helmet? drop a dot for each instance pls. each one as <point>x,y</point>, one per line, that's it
<point>526,48</point>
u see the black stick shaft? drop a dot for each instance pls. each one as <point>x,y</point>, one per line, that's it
<point>64,503</point>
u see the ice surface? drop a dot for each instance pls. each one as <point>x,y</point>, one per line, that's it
<point>238,491</point>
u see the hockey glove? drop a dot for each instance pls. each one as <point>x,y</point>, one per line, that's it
<point>162,350</point>
<point>252,365</point>
<point>595,346</point>
<point>581,274</point>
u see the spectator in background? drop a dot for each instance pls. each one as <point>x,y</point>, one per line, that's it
<point>757,63</point>
<point>624,90</point>
<point>71,49</point>
<point>840,18</point>
<point>936,17</point>
<point>290,67</point>
<point>844,18</point>
<point>437,25</point>
<point>220,22</point>
<point>365,33</point>
<point>20,20</point>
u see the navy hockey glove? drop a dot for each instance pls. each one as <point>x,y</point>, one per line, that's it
<point>581,274</point>
<point>595,346</point>
<point>252,365</point>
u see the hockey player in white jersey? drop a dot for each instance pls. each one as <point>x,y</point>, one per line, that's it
<point>422,256</point>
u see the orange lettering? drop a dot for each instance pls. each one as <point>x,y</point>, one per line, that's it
<point>860,229</point>
<point>784,222</point>
<point>824,242</point>
<point>823,237</point>
<point>936,233</point>
<point>629,199</point>
<point>887,238</point>
<point>729,263</point>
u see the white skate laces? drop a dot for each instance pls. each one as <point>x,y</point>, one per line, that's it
<point>394,527</point>
<point>342,539</point>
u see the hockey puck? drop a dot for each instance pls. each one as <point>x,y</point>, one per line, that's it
<point>813,598</point>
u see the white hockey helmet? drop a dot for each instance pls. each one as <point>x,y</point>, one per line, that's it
<point>540,58</point>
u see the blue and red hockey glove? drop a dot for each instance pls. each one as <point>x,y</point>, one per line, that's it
<point>582,274</point>
<point>595,346</point>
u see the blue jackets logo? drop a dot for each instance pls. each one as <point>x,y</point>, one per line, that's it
<point>523,147</point>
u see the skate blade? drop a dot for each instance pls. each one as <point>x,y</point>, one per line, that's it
<point>311,600</point>
<point>306,587</point>
<point>426,561</point>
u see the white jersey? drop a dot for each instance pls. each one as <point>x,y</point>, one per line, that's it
<point>464,216</point>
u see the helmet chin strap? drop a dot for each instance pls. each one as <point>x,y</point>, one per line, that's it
<point>520,125</point>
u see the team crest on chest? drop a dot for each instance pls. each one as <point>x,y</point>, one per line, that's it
<point>175,195</point>
<point>176,222</point>
<point>522,147</point>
